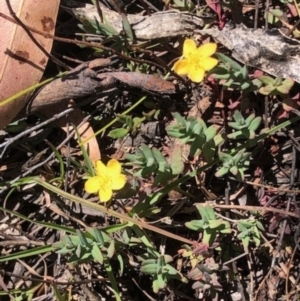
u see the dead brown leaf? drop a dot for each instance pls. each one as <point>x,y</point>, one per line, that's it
<point>23,55</point>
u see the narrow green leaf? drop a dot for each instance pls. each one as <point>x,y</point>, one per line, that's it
<point>227,60</point>
<point>27,253</point>
<point>127,28</point>
<point>149,269</point>
<point>97,254</point>
<point>118,133</point>
<point>221,172</point>
<point>111,249</point>
<point>195,225</point>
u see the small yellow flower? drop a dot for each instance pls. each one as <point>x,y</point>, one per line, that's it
<point>196,61</point>
<point>107,179</point>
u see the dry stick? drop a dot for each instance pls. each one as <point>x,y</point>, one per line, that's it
<point>267,10</point>
<point>288,273</point>
<point>45,161</point>
<point>144,2</point>
<point>261,284</point>
<point>256,208</point>
<point>256,13</point>
<point>110,212</point>
<point>27,243</point>
<point>99,10</point>
<point>274,189</point>
<point>234,266</point>
<point>292,181</point>
<point>50,281</point>
<point>34,128</point>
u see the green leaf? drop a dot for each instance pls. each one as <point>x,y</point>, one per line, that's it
<point>96,233</point>
<point>215,223</point>
<point>249,119</point>
<point>288,82</point>
<point>271,18</point>
<point>127,27</point>
<point>283,89</point>
<point>237,157</point>
<point>97,254</point>
<point>226,230</point>
<point>149,269</point>
<point>82,238</point>
<point>276,12</point>
<point>86,156</point>
<point>176,159</point>
<point>179,118</point>
<point>236,135</point>
<point>150,162</point>
<point>210,212</point>
<point>211,132</point>
<point>219,73</point>
<point>209,151</point>
<point>118,133</point>
<point>246,241</point>
<point>255,124</point>
<point>155,286</point>
<point>195,225</point>
<point>204,214</point>
<point>238,117</point>
<point>235,125</point>
<point>224,157</point>
<point>197,146</point>
<point>277,81</point>
<point>121,262</point>
<point>227,60</point>
<point>160,159</point>
<point>221,172</point>
<point>240,175</point>
<point>147,151</point>
<point>171,270</point>
<point>197,128</point>
<point>246,85</point>
<point>161,281</point>
<point>244,72</point>
<point>111,249</point>
<point>244,224</point>
<point>266,80</point>
<point>267,89</point>
<point>234,170</point>
<point>260,226</point>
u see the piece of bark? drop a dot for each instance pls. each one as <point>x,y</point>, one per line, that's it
<point>85,80</point>
<point>80,82</point>
<point>269,50</point>
<point>159,25</point>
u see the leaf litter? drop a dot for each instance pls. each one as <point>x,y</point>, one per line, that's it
<point>234,250</point>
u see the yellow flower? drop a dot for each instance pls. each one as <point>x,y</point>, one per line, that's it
<point>196,61</point>
<point>107,179</point>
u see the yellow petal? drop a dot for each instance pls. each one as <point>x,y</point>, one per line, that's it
<point>189,47</point>
<point>105,193</point>
<point>182,67</point>
<point>207,50</point>
<point>196,74</point>
<point>100,168</point>
<point>114,167</point>
<point>118,182</point>
<point>208,63</point>
<point>92,185</point>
